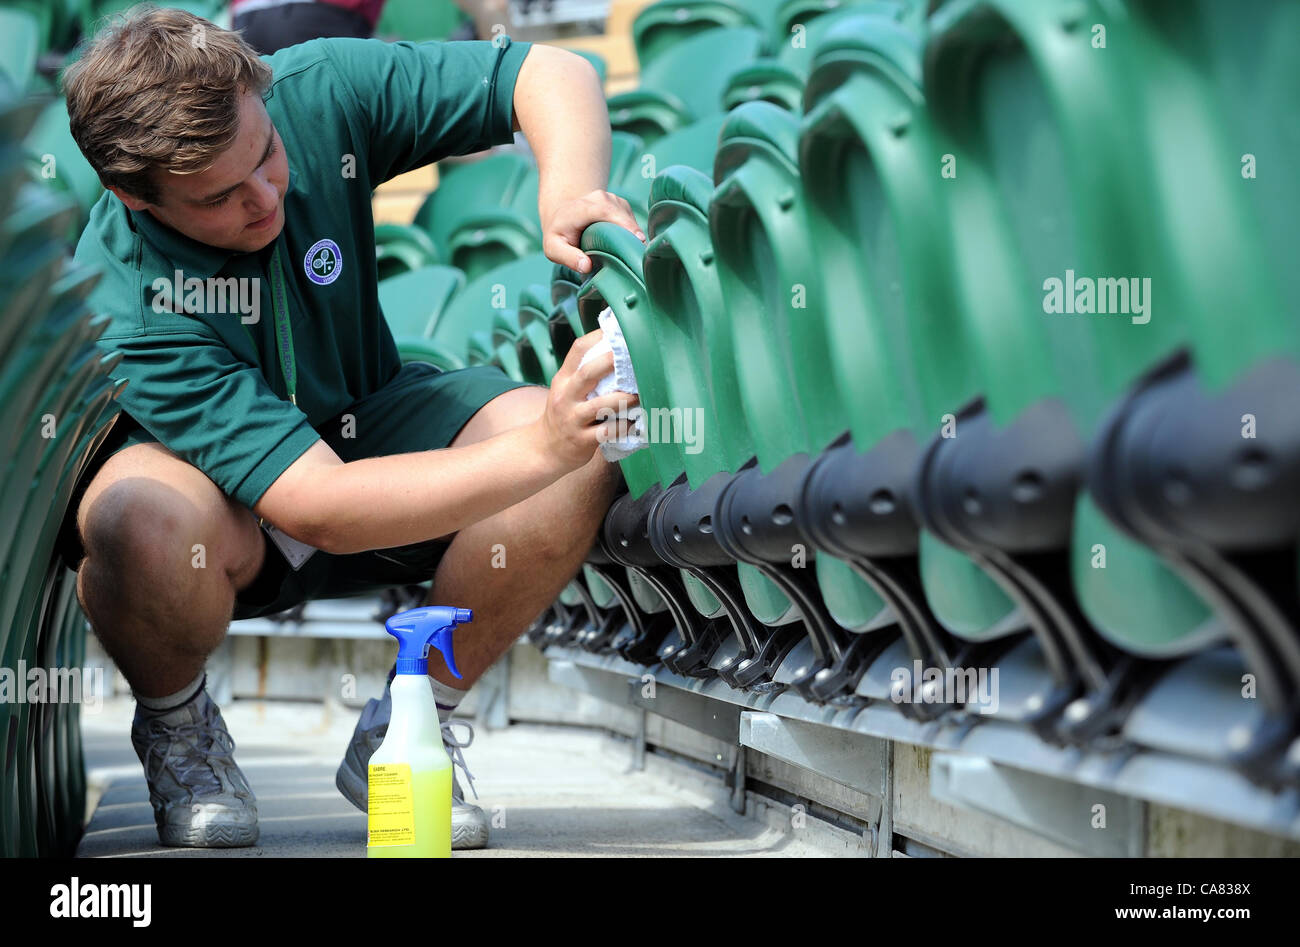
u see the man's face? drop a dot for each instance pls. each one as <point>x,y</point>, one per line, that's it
<point>238,203</point>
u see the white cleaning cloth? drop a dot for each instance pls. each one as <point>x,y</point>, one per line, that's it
<point>632,435</point>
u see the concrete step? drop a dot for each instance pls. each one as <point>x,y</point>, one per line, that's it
<point>549,790</point>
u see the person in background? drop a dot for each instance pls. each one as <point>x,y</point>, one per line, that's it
<point>270,25</point>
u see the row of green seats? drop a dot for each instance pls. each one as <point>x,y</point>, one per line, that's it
<point>58,406</point>
<point>663,25</point>
<point>904,232</point>
<point>32,30</point>
<point>699,57</point>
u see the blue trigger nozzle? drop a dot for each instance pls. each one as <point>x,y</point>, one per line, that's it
<point>419,628</point>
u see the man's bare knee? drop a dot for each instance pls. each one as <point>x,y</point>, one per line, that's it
<point>156,534</point>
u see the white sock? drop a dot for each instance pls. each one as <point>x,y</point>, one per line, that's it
<point>155,706</point>
<point>447,698</point>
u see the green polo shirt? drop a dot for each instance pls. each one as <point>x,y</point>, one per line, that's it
<point>352,113</point>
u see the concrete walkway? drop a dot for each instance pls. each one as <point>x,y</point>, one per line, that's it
<point>552,791</point>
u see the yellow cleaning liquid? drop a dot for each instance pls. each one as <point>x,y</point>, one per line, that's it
<point>409,812</point>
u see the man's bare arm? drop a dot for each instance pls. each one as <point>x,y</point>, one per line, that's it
<point>560,108</point>
<point>381,502</point>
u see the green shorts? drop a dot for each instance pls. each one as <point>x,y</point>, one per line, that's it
<point>422,408</point>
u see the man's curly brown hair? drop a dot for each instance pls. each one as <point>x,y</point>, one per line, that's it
<point>158,90</point>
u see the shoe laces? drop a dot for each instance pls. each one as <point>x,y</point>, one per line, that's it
<point>201,743</point>
<point>454,747</point>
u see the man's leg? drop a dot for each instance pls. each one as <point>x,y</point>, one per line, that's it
<point>510,566</point>
<point>165,553</point>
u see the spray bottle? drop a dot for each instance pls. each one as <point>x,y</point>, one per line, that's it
<point>410,774</point>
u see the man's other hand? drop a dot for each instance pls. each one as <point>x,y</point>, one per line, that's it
<point>571,426</point>
<point>562,232</point>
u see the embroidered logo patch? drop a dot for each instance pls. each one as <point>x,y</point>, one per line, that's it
<point>323,262</point>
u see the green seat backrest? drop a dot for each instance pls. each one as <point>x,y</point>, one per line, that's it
<point>414,301</point>
<point>771,286</point>
<point>536,355</point>
<point>20,43</point>
<point>694,335</point>
<point>402,247</point>
<point>467,187</point>
<point>625,151</point>
<point>692,74</point>
<point>693,146</point>
<point>492,236</point>
<point>616,282</point>
<point>661,26</point>
<point>497,290</point>
<point>764,80</point>
<point>565,323</point>
<point>648,114</point>
<point>792,24</point>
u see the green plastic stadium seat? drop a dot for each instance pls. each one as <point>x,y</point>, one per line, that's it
<point>466,188</point>
<point>780,78</point>
<point>765,80</point>
<point>685,83</point>
<point>414,301</point>
<point>400,248</point>
<point>565,323</point>
<point>495,291</point>
<point>693,146</point>
<point>692,333</point>
<point>661,26</point>
<point>682,282</point>
<point>616,282</point>
<point>537,360</point>
<point>490,237</point>
<point>20,42</point>
<point>56,161</point>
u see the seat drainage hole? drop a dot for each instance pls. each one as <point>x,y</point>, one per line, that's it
<point>837,514</point>
<point>881,503</point>
<point>1176,488</point>
<point>746,527</point>
<point>1252,471</point>
<point>1028,487</point>
<point>677,534</point>
<point>706,525</point>
<point>971,502</point>
<point>783,515</point>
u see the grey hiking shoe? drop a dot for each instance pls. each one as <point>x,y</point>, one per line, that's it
<point>469,824</point>
<point>200,797</point>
